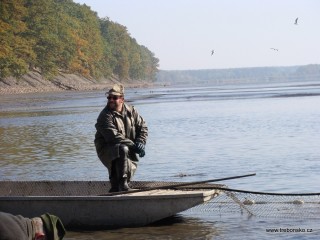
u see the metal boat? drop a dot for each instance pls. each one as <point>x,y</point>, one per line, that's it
<point>87,204</point>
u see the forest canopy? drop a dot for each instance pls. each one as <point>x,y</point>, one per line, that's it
<point>60,35</point>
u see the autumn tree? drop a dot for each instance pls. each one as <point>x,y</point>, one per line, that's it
<point>59,35</point>
<point>16,51</point>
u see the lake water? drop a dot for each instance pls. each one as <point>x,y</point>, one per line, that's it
<point>205,132</point>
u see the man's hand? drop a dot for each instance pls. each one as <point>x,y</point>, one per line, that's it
<point>139,149</point>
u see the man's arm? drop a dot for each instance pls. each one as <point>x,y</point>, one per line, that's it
<point>141,128</point>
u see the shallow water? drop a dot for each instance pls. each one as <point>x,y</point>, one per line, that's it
<point>204,132</point>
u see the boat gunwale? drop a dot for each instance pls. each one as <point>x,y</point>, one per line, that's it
<point>184,194</point>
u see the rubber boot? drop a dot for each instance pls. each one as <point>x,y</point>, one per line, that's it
<point>114,179</point>
<point>114,185</point>
<point>122,168</point>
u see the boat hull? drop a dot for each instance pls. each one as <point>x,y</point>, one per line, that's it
<point>93,211</point>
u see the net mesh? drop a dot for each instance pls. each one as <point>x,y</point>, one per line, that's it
<point>264,204</point>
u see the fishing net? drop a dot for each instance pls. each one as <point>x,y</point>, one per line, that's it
<point>260,204</point>
<point>263,204</point>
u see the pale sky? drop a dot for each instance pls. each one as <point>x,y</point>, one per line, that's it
<point>183,33</point>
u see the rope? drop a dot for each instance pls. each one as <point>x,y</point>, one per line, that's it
<point>267,193</point>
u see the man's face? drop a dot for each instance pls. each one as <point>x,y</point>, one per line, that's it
<point>115,102</point>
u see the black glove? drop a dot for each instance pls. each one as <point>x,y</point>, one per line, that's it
<point>139,149</point>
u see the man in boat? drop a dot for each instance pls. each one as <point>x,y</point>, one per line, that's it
<point>45,227</point>
<point>121,136</point>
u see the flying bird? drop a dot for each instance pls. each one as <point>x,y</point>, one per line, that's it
<point>296,21</point>
<point>212,52</point>
<point>275,49</point>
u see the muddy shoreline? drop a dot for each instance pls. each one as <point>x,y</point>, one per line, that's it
<point>34,82</point>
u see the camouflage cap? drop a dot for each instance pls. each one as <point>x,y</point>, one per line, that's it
<point>117,90</point>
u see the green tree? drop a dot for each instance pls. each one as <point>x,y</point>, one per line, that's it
<point>150,63</point>
<point>136,68</point>
<point>119,40</point>
<point>43,23</point>
<point>108,61</point>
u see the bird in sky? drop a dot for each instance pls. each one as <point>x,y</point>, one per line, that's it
<point>212,52</point>
<point>296,21</point>
<point>275,49</point>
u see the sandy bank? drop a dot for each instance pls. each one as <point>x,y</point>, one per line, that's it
<point>35,82</point>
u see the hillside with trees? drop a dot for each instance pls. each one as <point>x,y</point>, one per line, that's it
<point>54,36</point>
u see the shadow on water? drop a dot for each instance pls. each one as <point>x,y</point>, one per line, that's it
<point>175,227</point>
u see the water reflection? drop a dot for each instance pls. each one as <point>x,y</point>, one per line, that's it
<point>177,227</point>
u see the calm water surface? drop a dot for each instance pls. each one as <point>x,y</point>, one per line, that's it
<point>207,132</point>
